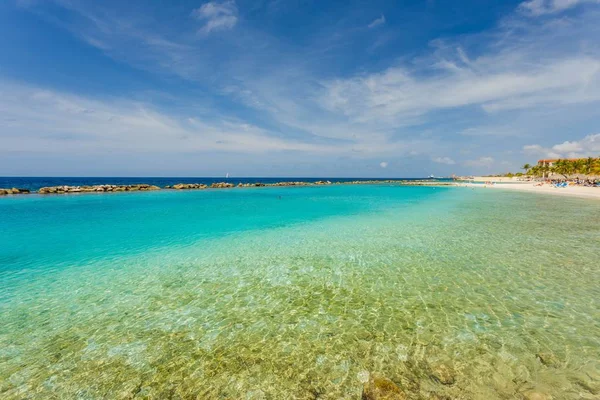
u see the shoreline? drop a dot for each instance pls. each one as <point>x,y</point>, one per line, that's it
<point>528,187</point>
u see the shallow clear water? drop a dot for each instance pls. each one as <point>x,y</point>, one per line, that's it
<point>299,293</point>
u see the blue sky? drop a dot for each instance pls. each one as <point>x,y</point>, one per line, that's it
<point>296,88</point>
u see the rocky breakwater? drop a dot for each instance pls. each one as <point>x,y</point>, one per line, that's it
<point>290,184</point>
<point>257,184</point>
<point>97,189</point>
<point>221,185</point>
<point>299,183</point>
<point>216,185</point>
<point>187,186</point>
<point>370,182</point>
<point>4,192</point>
<point>280,184</point>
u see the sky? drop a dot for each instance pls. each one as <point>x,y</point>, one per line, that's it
<point>323,88</point>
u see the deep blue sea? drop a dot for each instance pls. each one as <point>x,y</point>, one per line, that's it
<point>297,292</point>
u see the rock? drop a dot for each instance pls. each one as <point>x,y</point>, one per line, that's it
<point>436,396</point>
<point>381,388</point>
<point>221,185</point>
<point>536,396</point>
<point>443,374</point>
<point>548,359</point>
<point>149,187</point>
<point>187,186</point>
<point>14,191</point>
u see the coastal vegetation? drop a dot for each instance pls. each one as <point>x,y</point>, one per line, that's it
<point>564,167</point>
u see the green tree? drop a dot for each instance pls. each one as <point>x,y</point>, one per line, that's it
<point>563,167</point>
<point>595,168</point>
<point>578,166</point>
<point>588,166</point>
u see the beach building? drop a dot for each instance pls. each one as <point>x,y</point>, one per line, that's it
<point>551,161</point>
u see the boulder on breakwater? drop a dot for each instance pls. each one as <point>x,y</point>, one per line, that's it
<point>97,189</point>
<point>187,186</point>
<point>257,184</point>
<point>220,185</point>
<point>4,192</point>
<point>290,184</point>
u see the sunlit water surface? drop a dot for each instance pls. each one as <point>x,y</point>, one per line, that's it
<point>299,293</point>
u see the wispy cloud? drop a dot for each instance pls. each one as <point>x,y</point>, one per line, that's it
<point>542,7</point>
<point>45,116</point>
<point>377,22</point>
<point>587,147</point>
<point>383,164</point>
<point>444,160</point>
<point>217,16</point>
<point>485,162</point>
<point>399,92</point>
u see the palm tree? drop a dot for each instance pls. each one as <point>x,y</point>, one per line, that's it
<point>588,166</point>
<point>526,168</point>
<point>537,170</point>
<point>578,166</point>
<point>563,167</point>
<point>595,168</point>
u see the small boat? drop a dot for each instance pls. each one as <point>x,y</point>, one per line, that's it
<point>227,176</point>
<point>431,176</point>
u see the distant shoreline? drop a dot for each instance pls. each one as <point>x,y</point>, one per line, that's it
<point>492,183</point>
<point>112,188</point>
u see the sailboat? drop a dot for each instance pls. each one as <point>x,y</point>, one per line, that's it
<point>227,175</point>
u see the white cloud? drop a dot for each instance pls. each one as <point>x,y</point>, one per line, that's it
<point>542,7</point>
<point>377,22</point>
<point>483,131</point>
<point>486,162</point>
<point>217,16</point>
<point>444,160</point>
<point>383,164</point>
<point>398,93</point>
<point>589,146</point>
<point>63,123</point>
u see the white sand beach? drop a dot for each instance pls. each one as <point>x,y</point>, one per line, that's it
<point>503,179</point>
<point>573,191</point>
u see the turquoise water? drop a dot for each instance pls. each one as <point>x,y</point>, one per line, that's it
<point>275,293</point>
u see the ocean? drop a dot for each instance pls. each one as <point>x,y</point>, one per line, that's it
<point>298,293</point>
